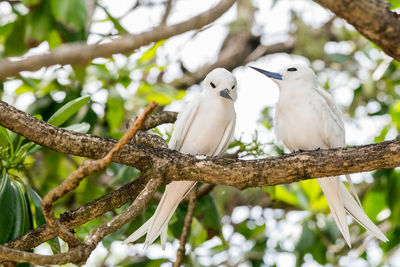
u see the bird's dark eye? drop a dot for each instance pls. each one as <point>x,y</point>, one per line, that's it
<point>233,87</point>
<point>292,69</point>
<point>212,85</point>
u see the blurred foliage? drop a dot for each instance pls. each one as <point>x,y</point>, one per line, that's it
<point>253,227</point>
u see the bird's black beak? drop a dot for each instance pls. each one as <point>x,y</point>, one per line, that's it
<point>225,93</point>
<point>272,75</point>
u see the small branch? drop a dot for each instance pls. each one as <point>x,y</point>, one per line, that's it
<point>373,19</point>
<point>155,120</point>
<point>186,227</point>
<point>97,234</point>
<point>167,11</point>
<point>81,54</point>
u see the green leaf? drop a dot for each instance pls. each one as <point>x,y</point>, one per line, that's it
<point>80,73</point>
<point>151,52</point>
<point>31,3</point>
<point>115,111</point>
<point>281,193</point>
<point>373,203</point>
<point>54,39</point>
<point>72,14</point>
<point>5,139</point>
<point>207,214</point>
<point>395,4</point>
<point>22,222</point>
<point>318,251</point>
<point>161,93</point>
<point>66,111</point>
<point>382,135</point>
<point>82,127</point>
<point>114,21</point>
<point>39,24</point>
<point>311,188</point>
<point>306,239</point>
<point>36,208</point>
<point>24,88</point>
<point>7,208</point>
<point>339,58</point>
<point>15,42</point>
<point>198,235</point>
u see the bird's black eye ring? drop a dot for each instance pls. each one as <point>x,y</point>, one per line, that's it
<point>233,87</point>
<point>292,69</point>
<point>212,85</point>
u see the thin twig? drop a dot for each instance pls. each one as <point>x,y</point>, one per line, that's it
<point>97,234</point>
<point>186,227</point>
<point>167,11</point>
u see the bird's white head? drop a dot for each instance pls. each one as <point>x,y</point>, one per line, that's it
<point>291,76</point>
<point>221,83</point>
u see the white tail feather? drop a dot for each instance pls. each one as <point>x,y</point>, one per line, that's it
<point>330,188</point>
<point>158,224</point>
<point>353,189</point>
<point>139,232</point>
<point>340,200</point>
<point>359,215</point>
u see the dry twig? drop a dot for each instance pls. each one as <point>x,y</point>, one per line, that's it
<point>186,227</point>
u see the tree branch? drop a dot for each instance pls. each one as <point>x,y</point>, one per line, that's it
<point>373,19</point>
<point>176,166</point>
<point>78,54</point>
<point>186,227</point>
<point>155,120</point>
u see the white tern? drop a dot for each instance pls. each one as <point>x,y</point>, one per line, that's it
<point>204,127</point>
<point>306,118</point>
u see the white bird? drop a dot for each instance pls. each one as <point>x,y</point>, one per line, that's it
<point>204,127</point>
<point>306,118</point>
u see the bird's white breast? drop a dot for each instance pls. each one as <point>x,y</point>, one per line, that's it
<point>208,126</point>
<point>297,119</point>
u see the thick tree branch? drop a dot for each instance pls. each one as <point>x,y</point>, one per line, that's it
<point>176,166</point>
<point>82,53</point>
<point>373,19</point>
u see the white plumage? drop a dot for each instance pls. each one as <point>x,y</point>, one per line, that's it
<point>204,127</point>
<point>307,118</point>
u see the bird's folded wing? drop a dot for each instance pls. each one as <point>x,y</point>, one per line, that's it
<point>183,123</point>
<point>226,137</point>
<point>332,132</point>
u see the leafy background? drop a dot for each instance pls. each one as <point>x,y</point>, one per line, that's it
<point>270,226</point>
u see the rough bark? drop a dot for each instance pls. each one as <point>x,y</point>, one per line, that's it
<point>373,19</point>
